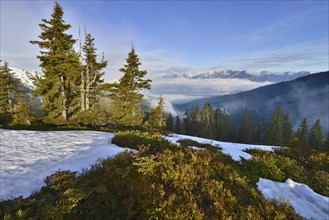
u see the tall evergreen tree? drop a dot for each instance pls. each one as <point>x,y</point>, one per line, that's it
<point>126,95</point>
<point>287,132</point>
<point>218,123</point>
<point>170,123</point>
<point>91,75</point>
<point>186,125</point>
<point>157,121</point>
<point>257,136</point>
<point>207,121</point>
<point>326,143</point>
<point>10,93</point>
<point>22,115</point>
<point>245,134</point>
<point>274,130</point>
<point>196,121</point>
<point>60,66</point>
<point>226,131</point>
<point>316,136</point>
<point>302,134</point>
<point>178,125</point>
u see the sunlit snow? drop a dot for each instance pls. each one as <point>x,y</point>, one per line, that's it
<point>235,150</point>
<point>306,202</point>
<point>27,157</point>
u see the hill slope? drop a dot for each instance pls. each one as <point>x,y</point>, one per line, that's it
<point>306,96</point>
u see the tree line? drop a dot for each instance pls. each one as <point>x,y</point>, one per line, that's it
<point>71,87</point>
<point>216,124</point>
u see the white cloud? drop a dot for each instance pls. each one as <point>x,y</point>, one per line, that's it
<point>180,89</point>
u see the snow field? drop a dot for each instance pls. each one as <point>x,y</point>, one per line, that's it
<point>305,201</point>
<point>235,150</point>
<point>27,157</point>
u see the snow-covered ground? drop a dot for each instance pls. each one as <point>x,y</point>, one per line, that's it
<point>27,157</point>
<point>233,149</point>
<point>306,202</point>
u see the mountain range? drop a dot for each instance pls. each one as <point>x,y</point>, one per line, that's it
<point>263,76</point>
<point>306,96</point>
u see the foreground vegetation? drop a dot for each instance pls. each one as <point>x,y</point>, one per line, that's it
<point>166,181</point>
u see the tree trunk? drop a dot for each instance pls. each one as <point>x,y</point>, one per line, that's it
<point>87,87</point>
<point>82,92</point>
<point>83,81</point>
<point>64,111</point>
<point>10,102</point>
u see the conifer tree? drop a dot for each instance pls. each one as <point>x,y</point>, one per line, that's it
<point>287,132</point>
<point>274,131</point>
<point>316,136</point>
<point>245,134</point>
<point>207,121</point>
<point>126,95</point>
<point>22,115</point>
<point>196,121</point>
<point>170,123</point>
<point>218,123</point>
<point>10,92</point>
<point>302,134</point>
<point>227,127</point>
<point>186,126</point>
<point>91,75</point>
<point>157,121</point>
<point>60,66</point>
<point>326,143</point>
<point>257,136</point>
<point>178,126</point>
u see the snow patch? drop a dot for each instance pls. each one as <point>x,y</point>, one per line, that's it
<point>235,150</point>
<point>27,157</point>
<point>305,201</point>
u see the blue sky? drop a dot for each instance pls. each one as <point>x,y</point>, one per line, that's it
<point>182,36</point>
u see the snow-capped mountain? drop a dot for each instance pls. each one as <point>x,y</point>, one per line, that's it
<point>26,76</point>
<point>232,74</point>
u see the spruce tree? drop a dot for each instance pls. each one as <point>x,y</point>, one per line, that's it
<point>22,115</point>
<point>186,126</point>
<point>316,136</point>
<point>91,75</point>
<point>207,121</point>
<point>302,134</point>
<point>196,121</point>
<point>170,123</point>
<point>287,132</point>
<point>245,134</point>
<point>218,123</point>
<point>226,132</point>
<point>156,121</point>
<point>178,126</point>
<point>326,143</point>
<point>10,93</point>
<point>126,94</point>
<point>257,135</point>
<point>274,130</point>
<point>60,66</point>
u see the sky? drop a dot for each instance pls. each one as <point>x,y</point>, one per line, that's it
<point>181,36</point>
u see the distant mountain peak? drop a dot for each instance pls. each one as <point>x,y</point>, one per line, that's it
<point>25,76</point>
<point>263,76</point>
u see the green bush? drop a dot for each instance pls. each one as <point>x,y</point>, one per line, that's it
<point>153,142</point>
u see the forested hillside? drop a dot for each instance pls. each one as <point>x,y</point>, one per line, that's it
<point>305,97</point>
